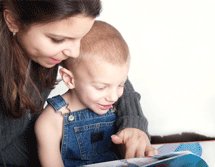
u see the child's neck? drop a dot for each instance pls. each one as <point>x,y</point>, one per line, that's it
<point>73,101</point>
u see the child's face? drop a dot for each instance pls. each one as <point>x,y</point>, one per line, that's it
<point>99,84</point>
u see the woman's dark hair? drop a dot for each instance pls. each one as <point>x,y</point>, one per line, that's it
<point>16,78</point>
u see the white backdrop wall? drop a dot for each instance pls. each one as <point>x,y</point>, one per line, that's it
<point>172,46</point>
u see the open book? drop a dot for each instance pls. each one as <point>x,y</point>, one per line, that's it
<point>183,155</point>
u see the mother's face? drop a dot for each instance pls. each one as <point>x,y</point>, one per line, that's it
<point>49,44</point>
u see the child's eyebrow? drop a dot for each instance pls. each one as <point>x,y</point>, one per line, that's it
<point>101,83</point>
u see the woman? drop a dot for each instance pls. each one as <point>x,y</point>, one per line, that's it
<point>37,36</point>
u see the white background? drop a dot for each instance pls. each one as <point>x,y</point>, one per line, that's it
<point>172,46</point>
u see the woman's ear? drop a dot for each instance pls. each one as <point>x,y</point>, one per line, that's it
<point>68,78</point>
<point>11,22</point>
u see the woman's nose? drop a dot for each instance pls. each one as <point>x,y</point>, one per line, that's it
<point>72,50</point>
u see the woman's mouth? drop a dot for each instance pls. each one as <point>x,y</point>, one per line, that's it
<point>54,61</point>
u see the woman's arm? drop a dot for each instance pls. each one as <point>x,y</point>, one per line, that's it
<point>133,133</point>
<point>129,110</point>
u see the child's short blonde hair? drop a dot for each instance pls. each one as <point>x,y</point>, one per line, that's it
<point>102,42</point>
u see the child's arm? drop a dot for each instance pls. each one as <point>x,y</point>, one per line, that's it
<point>48,129</point>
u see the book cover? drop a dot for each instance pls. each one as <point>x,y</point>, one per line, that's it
<point>170,155</point>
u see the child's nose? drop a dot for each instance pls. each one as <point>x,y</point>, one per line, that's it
<point>113,96</point>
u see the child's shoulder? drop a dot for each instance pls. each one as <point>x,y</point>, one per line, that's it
<point>49,115</point>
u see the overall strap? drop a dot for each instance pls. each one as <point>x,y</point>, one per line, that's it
<point>59,104</point>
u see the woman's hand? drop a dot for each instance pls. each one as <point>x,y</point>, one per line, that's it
<point>134,142</point>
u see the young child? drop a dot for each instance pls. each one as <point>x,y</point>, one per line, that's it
<point>81,121</point>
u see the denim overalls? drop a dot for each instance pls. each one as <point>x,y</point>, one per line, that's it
<point>86,135</point>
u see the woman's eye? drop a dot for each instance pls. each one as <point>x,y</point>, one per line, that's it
<point>57,40</point>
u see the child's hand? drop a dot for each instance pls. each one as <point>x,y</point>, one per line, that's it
<point>135,143</point>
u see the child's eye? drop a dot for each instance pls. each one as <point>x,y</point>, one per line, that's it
<point>100,87</point>
<point>57,40</point>
<point>122,85</point>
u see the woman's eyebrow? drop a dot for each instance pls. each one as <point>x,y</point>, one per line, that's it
<point>59,36</point>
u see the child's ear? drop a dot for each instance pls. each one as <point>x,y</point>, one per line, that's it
<point>11,21</point>
<point>67,77</point>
